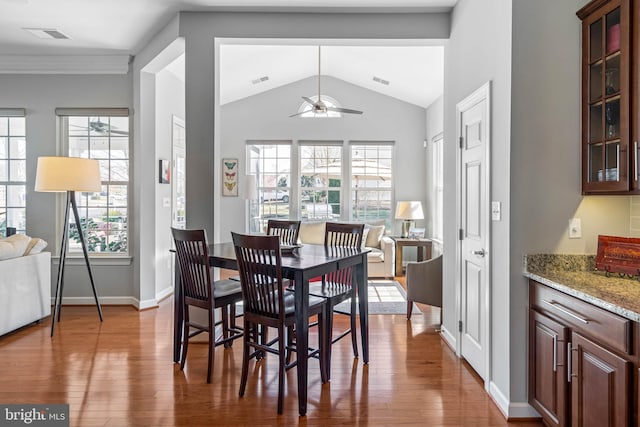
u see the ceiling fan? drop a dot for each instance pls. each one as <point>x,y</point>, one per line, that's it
<point>319,107</point>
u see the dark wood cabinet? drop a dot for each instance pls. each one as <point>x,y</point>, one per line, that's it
<point>609,97</point>
<point>547,368</point>
<point>582,361</point>
<point>600,385</point>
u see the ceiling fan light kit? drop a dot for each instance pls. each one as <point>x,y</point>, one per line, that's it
<point>319,107</point>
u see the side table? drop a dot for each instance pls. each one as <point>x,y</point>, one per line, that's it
<point>423,246</point>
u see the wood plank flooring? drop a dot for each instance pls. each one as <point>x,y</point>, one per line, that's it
<point>119,373</point>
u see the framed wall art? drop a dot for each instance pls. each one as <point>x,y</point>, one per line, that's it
<point>230,177</point>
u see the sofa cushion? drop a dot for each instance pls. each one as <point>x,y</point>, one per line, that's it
<point>374,235</point>
<point>375,255</point>
<point>312,233</point>
<point>13,246</point>
<point>35,246</point>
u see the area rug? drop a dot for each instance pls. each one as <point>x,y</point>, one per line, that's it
<point>385,297</point>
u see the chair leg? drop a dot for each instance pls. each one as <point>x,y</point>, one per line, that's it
<point>281,367</point>
<point>224,311</point>
<point>322,345</point>
<point>409,308</point>
<point>212,342</point>
<point>354,326</point>
<point>328,335</point>
<point>185,336</point>
<point>245,356</point>
<point>290,338</point>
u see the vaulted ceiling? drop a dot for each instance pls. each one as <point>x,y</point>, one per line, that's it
<point>123,27</point>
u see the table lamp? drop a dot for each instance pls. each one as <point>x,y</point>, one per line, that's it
<point>68,175</point>
<point>408,212</point>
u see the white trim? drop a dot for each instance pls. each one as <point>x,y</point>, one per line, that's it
<point>12,112</point>
<point>499,398</point>
<point>95,260</point>
<point>166,292</point>
<point>511,410</point>
<point>122,300</point>
<point>448,337</point>
<point>64,64</point>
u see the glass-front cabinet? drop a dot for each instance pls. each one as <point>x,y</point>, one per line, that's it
<point>608,159</point>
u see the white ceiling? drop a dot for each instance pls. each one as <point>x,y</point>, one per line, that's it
<point>123,27</point>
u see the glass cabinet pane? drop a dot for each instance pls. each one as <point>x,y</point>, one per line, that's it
<point>613,31</point>
<point>612,160</point>
<point>595,163</point>
<point>595,81</point>
<point>595,41</point>
<point>612,118</point>
<point>612,75</point>
<point>595,123</point>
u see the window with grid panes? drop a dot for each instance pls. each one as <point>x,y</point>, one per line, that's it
<point>102,135</point>
<point>371,169</point>
<point>321,178</point>
<point>13,175</point>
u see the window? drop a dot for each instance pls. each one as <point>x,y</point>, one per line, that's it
<point>371,181</point>
<point>13,170</point>
<point>270,164</point>
<point>321,177</point>
<point>101,134</point>
<point>438,187</point>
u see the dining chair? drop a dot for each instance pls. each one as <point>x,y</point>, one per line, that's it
<point>339,286</point>
<point>198,290</point>
<point>286,229</point>
<point>266,303</point>
<point>424,284</point>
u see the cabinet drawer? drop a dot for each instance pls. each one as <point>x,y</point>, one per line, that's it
<point>595,322</point>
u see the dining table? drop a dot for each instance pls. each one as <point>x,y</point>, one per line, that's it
<point>301,264</point>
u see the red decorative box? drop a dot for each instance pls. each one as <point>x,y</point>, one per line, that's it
<point>618,255</point>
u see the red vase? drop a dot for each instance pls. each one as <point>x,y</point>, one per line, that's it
<point>613,38</point>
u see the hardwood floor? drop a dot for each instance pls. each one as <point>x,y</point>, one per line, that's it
<point>119,373</point>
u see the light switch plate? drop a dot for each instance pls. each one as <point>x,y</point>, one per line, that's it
<point>575,228</point>
<point>495,211</point>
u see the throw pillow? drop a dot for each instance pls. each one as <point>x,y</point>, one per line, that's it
<point>374,236</point>
<point>35,246</point>
<point>13,246</point>
<point>312,233</point>
<point>365,233</point>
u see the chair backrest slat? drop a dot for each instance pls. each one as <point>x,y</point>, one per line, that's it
<point>260,265</point>
<point>193,261</point>
<point>342,235</point>
<point>287,230</point>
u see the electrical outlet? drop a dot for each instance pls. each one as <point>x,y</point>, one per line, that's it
<point>575,228</point>
<point>495,211</point>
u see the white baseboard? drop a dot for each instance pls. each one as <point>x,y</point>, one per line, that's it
<point>140,305</point>
<point>448,337</point>
<point>511,410</point>
<point>166,292</point>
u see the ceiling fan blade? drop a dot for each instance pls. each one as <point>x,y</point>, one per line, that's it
<point>300,113</point>
<point>309,100</point>
<point>343,110</point>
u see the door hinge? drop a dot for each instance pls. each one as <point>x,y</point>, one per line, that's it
<point>461,141</point>
<point>460,234</point>
<point>459,325</point>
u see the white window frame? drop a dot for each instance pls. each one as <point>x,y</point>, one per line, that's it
<point>437,180</point>
<point>389,175</point>
<point>16,166</point>
<point>317,215</point>
<point>62,116</point>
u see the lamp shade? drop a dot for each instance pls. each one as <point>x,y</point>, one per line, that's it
<point>60,174</point>
<point>409,210</point>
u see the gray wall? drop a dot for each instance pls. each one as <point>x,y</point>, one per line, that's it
<point>40,95</point>
<point>200,31</point>
<point>545,156</point>
<point>479,51</point>
<point>266,116</point>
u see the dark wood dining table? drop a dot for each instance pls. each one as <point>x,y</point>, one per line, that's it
<point>301,265</point>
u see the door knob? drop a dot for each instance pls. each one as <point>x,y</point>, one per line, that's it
<point>480,253</point>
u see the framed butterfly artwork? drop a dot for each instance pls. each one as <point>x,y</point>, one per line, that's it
<point>230,177</point>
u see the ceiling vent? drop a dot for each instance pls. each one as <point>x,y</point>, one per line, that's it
<point>47,33</point>
<point>381,81</point>
<point>260,80</point>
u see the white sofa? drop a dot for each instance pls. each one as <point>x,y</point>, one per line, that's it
<point>381,258</point>
<point>25,290</point>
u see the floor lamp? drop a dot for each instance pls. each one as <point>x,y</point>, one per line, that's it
<point>68,175</point>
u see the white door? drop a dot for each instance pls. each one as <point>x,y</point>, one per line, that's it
<point>473,246</point>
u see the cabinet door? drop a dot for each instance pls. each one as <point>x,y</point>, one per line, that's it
<point>547,368</point>
<point>606,160</point>
<point>600,386</point>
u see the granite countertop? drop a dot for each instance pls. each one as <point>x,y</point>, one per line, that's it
<point>576,275</point>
